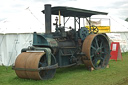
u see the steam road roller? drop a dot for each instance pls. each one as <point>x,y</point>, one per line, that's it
<point>62,48</point>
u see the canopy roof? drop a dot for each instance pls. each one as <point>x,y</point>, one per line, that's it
<point>74,12</point>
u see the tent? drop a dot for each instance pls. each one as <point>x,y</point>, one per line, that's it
<point>17,33</point>
<point>122,38</point>
<point>11,45</point>
<point>119,32</point>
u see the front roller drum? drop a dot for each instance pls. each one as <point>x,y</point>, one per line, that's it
<point>27,64</point>
<point>97,51</point>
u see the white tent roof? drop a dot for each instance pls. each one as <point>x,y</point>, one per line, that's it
<point>22,23</point>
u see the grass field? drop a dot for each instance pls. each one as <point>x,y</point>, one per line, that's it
<point>117,74</point>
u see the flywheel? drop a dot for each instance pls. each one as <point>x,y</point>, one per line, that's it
<point>28,63</point>
<point>97,51</point>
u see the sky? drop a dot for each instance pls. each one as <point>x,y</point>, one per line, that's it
<point>11,8</point>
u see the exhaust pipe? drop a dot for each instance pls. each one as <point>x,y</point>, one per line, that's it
<point>47,13</point>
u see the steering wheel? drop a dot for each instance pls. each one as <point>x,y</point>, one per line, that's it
<point>95,30</point>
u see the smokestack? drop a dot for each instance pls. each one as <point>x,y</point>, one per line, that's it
<point>47,13</point>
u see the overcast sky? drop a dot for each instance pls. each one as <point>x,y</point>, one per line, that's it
<point>117,8</point>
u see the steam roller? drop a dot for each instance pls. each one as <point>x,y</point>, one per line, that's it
<point>59,49</point>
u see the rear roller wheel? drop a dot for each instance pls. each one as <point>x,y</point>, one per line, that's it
<point>27,64</point>
<point>97,51</point>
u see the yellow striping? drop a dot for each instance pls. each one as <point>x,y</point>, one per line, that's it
<point>102,29</point>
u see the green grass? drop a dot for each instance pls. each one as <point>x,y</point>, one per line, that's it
<point>117,74</point>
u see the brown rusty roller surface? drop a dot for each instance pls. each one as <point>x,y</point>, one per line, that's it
<point>97,51</point>
<point>28,60</point>
<point>86,49</point>
<point>18,64</point>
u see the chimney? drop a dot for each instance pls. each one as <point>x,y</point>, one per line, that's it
<point>47,13</point>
